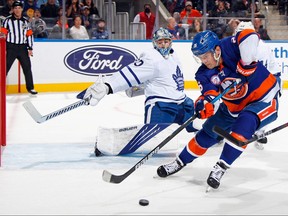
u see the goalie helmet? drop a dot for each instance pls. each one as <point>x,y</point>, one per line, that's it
<point>162,33</point>
<point>204,42</point>
<point>244,25</point>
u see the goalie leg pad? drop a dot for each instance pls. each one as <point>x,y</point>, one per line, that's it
<point>126,140</point>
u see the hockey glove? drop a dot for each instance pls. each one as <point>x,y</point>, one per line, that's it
<point>96,92</point>
<point>246,70</point>
<point>203,107</point>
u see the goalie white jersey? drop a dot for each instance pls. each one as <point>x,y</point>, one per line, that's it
<point>161,82</point>
<point>266,56</point>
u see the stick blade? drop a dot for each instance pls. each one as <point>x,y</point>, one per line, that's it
<point>110,178</point>
<point>29,107</point>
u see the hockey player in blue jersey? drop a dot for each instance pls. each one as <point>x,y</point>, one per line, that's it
<point>159,70</point>
<point>267,57</point>
<point>244,109</point>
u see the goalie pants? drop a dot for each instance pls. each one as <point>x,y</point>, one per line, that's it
<point>163,112</point>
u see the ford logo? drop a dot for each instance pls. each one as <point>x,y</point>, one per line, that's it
<point>98,59</point>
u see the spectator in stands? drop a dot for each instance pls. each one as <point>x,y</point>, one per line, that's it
<point>100,32</point>
<point>73,8</point>
<point>29,8</point>
<point>218,25</point>
<point>42,2</point>
<point>177,17</point>
<point>183,28</point>
<point>256,8</point>
<point>78,31</point>
<point>50,9</point>
<point>209,7</point>
<point>148,18</point>
<point>170,5</point>
<point>176,31</point>
<point>179,6</point>
<point>260,30</point>
<point>86,18</point>
<point>7,9</point>
<point>92,8</point>
<point>38,25</point>
<point>196,28</point>
<point>188,13</point>
<point>231,27</point>
<point>56,32</point>
<point>240,8</point>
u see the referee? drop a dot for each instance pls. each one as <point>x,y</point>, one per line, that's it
<point>19,43</point>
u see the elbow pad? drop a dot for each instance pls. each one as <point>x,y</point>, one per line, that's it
<point>246,70</point>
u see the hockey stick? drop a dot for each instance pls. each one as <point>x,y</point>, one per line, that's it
<point>111,178</point>
<point>255,137</point>
<point>42,118</point>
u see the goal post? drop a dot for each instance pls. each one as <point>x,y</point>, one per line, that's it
<point>3,93</point>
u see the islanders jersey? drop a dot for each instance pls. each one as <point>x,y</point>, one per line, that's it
<point>162,77</point>
<point>260,85</point>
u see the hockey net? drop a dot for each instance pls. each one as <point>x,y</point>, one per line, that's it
<point>3,93</point>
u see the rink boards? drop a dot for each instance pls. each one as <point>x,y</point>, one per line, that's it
<point>72,65</point>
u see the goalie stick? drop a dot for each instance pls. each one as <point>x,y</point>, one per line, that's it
<point>29,107</point>
<point>255,137</point>
<point>111,178</point>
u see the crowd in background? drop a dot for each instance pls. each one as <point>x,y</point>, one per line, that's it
<point>222,16</point>
<point>81,21</point>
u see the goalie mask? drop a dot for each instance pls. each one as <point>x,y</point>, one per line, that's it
<point>162,41</point>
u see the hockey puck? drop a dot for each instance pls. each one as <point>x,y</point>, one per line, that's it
<point>143,202</point>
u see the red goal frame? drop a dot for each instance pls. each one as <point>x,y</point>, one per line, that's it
<point>3,93</point>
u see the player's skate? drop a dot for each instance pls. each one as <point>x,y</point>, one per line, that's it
<point>171,168</point>
<point>215,175</point>
<point>259,143</point>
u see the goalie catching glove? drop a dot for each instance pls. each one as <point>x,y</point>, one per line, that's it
<point>96,92</point>
<point>203,106</point>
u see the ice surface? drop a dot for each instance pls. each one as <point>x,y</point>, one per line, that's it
<point>48,169</point>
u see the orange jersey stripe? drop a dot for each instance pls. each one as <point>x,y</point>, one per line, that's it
<point>244,33</point>
<point>267,84</point>
<point>194,147</point>
<point>268,111</point>
<point>211,92</point>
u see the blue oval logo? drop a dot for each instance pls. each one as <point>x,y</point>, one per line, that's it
<point>98,59</point>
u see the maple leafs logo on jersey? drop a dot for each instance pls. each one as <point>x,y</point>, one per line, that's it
<point>179,79</point>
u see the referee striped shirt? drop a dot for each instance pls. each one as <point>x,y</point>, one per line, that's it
<point>18,31</point>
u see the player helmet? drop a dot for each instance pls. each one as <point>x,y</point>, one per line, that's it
<point>244,25</point>
<point>204,42</point>
<point>159,34</point>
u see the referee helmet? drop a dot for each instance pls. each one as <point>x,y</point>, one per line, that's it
<point>17,3</point>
